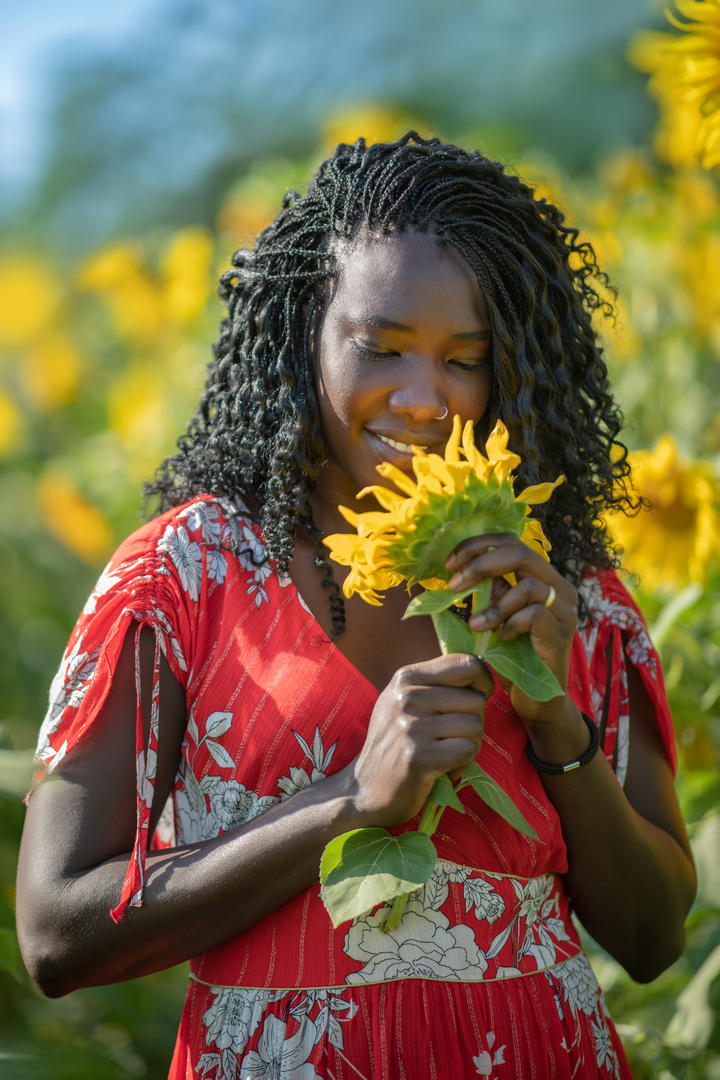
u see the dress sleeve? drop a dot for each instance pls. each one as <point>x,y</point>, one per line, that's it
<point>616,636</point>
<point>156,579</point>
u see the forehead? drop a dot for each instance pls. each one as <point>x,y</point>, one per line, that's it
<point>407,272</point>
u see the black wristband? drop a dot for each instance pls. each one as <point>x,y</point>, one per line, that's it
<point>587,757</point>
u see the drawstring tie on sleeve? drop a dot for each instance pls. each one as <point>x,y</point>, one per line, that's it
<point>146,767</point>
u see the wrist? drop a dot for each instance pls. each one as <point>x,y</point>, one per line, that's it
<point>564,739</point>
<point>348,805</point>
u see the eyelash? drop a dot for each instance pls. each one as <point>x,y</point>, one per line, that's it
<point>389,355</point>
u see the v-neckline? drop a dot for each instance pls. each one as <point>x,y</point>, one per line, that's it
<point>302,604</point>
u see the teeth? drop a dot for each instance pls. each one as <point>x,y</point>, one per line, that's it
<point>403,447</point>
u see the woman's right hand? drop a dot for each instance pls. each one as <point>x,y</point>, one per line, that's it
<point>427,721</point>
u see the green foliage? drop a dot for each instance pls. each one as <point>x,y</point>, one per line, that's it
<point>367,867</point>
<point>126,341</point>
<point>671,1027</point>
<point>116,1032</point>
<point>498,800</point>
<point>518,661</point>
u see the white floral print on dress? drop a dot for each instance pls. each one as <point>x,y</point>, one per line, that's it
<point>580,988</point>
<point>104,583</point>
<point>237,1012</point>
<point>67,690</point>
<point>488,1059</point>
<point>281,1058</point>
<point>186,557</point>
<point>423,946</point>
<point>320,759</point>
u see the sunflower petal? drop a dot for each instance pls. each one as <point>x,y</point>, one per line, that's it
<point>387,498</point>
<point>539,493</point>
<point>535,538</point>
<point>432,473</point>
<point>480,464</point>
<point>502,460</point>
<point>399,479</point>
<point>452,450</point>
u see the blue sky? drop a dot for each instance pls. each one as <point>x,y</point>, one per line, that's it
<point>32,37</point>
<point>217,84</point>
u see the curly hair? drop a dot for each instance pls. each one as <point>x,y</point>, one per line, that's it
<point>256,434</point>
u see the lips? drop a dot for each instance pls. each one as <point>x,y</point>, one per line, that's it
<point>404,441</point>
<point>391,447</point>
<point>404,448</point>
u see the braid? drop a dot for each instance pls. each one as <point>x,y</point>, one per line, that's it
<point>256,434</point>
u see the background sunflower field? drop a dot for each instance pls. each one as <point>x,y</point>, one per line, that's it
<point>174,147</point>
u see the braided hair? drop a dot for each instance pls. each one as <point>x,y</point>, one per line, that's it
<point>256,434</point>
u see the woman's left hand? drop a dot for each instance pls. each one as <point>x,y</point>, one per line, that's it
<point>521,608</point>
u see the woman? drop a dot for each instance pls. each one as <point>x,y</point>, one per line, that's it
<point>412,283</point>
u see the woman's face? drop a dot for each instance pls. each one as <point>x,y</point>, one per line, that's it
<point>405,344</point>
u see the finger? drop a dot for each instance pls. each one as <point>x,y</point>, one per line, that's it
<point>434,701</point>
<point>448,726</point>
<point>526,593</point>
<point>511,558</point>
<point>455,669</point>
<point>450,754</point>
<point>476,545</point>
<point>530,618</point>
<point>486,556</point>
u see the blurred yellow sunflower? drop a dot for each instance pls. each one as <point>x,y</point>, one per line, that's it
<point>685,78</point>
<point>452,498</point>
<point>677,538</point>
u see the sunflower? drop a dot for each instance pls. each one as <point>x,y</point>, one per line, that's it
<point>685,78</point>
<point>677,538</point>
<point>452,498</point>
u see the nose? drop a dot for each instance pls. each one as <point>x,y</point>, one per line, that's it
<point>420,396</point>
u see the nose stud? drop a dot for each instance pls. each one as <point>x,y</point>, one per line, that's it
<point>443,415</point>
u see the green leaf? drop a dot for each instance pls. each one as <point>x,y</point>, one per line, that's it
<point>481,594</point>
<point>367,867</point>
<point>432,601</point>
<point>518,661</point>
<point>444,794</point>
<point>496,798</point>
<point>453,634</point>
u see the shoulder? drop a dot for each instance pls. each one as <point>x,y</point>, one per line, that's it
<point>617,642</point>
<point>612,608</point>
<point>207,519</point>
<point>183,547</point>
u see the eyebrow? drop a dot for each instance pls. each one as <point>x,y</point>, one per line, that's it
<point>376,322</point>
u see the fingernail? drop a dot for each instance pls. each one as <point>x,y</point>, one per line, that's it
<point>455,582</point>
<point>477,622</point>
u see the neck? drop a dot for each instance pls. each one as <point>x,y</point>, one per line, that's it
<point>325,500</point>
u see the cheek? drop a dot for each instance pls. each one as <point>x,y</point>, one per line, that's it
<point>338,384</point>
<point>472,401</point>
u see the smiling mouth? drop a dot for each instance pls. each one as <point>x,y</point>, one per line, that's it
<point>404,448</point>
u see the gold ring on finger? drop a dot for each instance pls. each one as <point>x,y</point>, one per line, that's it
<point>551,597</point>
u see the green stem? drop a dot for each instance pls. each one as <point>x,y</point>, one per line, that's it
<point>481,595</point>
<point>396,913</point>
<point>429,818</point>
<point>480,600</point>
<point>429,821</point>
<point>431,814</point>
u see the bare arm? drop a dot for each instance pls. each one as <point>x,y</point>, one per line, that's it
<point>81,824</point>
<point>631,874</point>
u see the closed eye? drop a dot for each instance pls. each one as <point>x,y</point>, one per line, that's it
<point>470,365</point>
<point>375,353</point>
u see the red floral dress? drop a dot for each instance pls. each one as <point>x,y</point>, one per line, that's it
<point>485,975</point>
